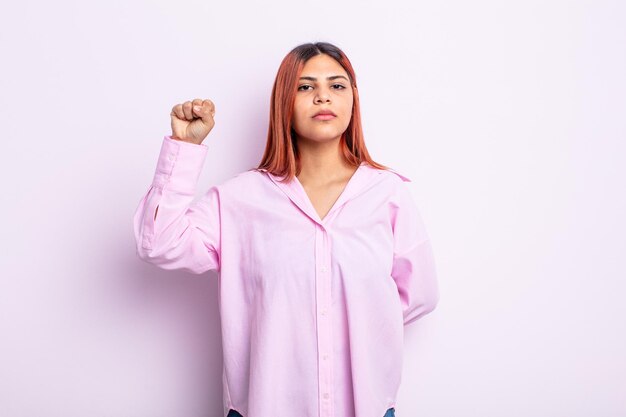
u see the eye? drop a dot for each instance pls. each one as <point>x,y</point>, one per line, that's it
<point>337,87</point>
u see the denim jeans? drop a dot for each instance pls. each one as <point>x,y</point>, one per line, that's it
<point>390,413</point>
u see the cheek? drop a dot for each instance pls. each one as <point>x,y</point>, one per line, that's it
<point>347,110</point>
<point>297,113</point>
<point>297,118</point>
<point>347,104</point>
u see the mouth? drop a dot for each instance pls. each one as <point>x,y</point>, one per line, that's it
<point>324,116</point>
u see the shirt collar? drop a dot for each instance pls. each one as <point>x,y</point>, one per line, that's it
<point>363,178</point>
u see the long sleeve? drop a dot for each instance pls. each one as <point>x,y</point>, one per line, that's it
<point>172,231</point>
<point>413,262</point>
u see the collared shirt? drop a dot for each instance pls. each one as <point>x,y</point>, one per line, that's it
<point>312,310</point>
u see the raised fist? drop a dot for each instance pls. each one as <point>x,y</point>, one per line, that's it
<point>192,120</point>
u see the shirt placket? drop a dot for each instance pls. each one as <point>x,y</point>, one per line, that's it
<point>324,321</point>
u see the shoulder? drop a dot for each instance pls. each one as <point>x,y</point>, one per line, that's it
<point>389,178</point>
<point>242,180</point>
<point>244,183</point>
<point>390,173</point>
<point>396,186</point>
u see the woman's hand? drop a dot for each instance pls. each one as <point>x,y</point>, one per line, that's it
<point>192,120</point>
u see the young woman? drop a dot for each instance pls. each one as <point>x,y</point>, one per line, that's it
<point>321,253</point>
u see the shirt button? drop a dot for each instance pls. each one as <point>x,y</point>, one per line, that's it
<point>325,357</point>
<point>323,269</point>
<point>326,395</point>
<point>323,312</point>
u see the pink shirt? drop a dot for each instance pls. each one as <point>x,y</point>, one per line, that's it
<point>312,309</point>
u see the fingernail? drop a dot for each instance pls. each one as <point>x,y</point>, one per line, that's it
<point>197,108</point>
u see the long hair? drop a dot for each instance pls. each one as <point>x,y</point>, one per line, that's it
<point>281,155</point>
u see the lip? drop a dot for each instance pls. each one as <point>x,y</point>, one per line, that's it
<point>324,115</point>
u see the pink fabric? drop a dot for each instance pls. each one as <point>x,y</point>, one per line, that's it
<point>313,311</point>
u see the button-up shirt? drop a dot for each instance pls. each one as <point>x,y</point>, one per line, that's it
<point>312,310</point>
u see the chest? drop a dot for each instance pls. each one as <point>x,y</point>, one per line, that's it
<point>323,198</point>
<point>278,249</point>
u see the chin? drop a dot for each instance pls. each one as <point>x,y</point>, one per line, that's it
<point>318,133</point>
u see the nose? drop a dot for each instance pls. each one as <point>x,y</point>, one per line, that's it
<point>322,96</point>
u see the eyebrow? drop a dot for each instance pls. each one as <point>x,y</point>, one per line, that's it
<point>332,77</point>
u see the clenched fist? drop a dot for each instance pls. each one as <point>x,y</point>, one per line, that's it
<point>192,120</point>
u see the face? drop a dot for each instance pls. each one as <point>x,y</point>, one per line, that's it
<point>323,85</point>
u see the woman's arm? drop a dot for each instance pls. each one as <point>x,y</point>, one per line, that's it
<point>171,231</point>
<point>413,262</point>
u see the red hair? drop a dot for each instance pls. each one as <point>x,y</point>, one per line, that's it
<point>281,155</point>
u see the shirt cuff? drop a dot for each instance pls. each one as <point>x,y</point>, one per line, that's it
<point>179,165</point>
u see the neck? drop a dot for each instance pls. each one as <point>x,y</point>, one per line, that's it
<point>322,162</point>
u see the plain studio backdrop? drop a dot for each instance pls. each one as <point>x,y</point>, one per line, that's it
<point>509,117</point>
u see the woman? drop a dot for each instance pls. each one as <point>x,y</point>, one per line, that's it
<point>321,252</point>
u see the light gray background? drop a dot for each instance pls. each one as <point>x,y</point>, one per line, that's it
<point>508,116</point>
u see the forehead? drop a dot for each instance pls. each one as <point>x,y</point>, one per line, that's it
<point>323,64</point>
